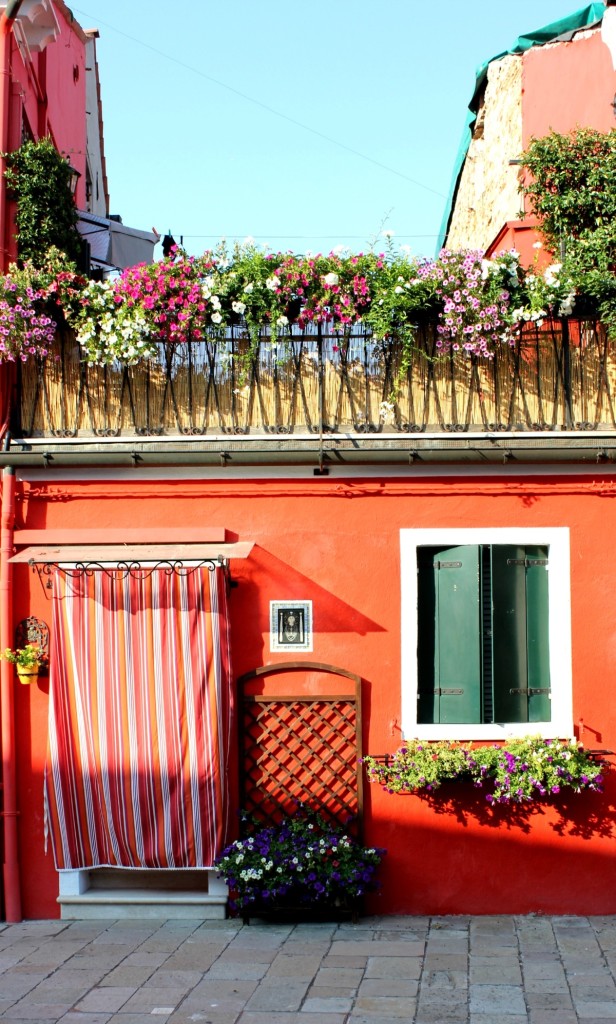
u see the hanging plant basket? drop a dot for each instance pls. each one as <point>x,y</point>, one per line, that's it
<point>27,673</point>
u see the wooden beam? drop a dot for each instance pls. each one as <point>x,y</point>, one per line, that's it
<point>110,553</point>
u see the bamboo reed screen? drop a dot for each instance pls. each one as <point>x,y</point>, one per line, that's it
<point>562,376</point>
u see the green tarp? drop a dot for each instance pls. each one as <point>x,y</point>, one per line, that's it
<point>592,14</point>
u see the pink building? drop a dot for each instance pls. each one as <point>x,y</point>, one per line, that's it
<point>49,87</point>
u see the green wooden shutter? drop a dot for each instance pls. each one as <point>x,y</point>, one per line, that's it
<point>520,655</point>
<point>538,652</point>
<point>449,641</point>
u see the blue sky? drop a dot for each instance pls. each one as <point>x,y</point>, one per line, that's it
<point>302,123</point>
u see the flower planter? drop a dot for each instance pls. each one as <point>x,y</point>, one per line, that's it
<point>292,910</point>
<point>27,673</point>
<point>521,771</point>
<point>300,868</point>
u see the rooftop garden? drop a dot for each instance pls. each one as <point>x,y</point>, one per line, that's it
<point>417,331</point>
<point>478,304</point>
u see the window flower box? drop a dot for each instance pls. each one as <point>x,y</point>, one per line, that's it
<point>517,772</point>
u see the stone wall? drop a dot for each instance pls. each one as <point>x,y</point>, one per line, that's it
<point>488,193</point>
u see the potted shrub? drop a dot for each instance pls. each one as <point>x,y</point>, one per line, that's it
<point>302,863</point>
<point>27,661</point>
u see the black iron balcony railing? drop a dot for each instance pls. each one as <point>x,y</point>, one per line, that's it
<point>561,376</point>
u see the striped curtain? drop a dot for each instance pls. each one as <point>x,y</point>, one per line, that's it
<point>139,720</point>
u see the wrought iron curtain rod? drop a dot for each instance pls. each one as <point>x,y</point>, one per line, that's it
<point>122,570</point>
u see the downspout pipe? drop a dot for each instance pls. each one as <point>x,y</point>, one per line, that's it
<point>7,20</point>
<point>10,867</point>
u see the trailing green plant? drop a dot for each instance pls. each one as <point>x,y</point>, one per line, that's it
<point>39,178</point>
<point>518,771</point>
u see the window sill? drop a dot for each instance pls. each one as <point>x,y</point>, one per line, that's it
<point>494,731</point>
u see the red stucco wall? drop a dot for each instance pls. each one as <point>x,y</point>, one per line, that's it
<point>336,542</point>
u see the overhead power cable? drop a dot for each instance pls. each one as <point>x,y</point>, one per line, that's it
<point>262,105</point>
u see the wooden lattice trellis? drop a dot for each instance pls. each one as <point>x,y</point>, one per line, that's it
<point>298,748</point>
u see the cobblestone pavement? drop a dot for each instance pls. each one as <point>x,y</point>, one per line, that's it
<point>463,970</point>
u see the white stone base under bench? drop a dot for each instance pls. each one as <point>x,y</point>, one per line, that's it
<point>125,894</point>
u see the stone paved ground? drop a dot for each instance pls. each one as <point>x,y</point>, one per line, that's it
<point>455,970</point>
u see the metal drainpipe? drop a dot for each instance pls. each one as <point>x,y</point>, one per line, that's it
<point>6,24</point>
<point>12,888</point>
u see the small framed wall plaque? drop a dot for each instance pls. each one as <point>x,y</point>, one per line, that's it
<point>290,625</point>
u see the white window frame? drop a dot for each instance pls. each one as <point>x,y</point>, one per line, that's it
<point>559,626</point>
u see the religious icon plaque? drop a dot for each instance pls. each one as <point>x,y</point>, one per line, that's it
<point>290,626</point>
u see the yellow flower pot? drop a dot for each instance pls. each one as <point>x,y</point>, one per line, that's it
<point>27,673</point>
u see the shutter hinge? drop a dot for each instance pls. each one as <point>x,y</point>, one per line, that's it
<point>532,692</point>
<point>440,691</point>
<point>527,561</point>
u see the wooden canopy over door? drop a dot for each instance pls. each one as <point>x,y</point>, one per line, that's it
<point>301,741</point>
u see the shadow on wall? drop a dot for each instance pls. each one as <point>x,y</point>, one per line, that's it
<point>584,815</point>
<point>449,854</point>
<point>264,578</point>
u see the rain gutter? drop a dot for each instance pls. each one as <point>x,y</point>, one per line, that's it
<point>11,880</point>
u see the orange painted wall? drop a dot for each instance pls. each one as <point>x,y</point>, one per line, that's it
<point>336,542</point>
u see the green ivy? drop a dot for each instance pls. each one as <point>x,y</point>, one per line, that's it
<point>39,178</point>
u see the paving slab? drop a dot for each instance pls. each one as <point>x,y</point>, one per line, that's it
<point>507,999</point>
<point>332,976</point>
<point>109,998</point>
<point>327,1004</point>
<point>273,996</point>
